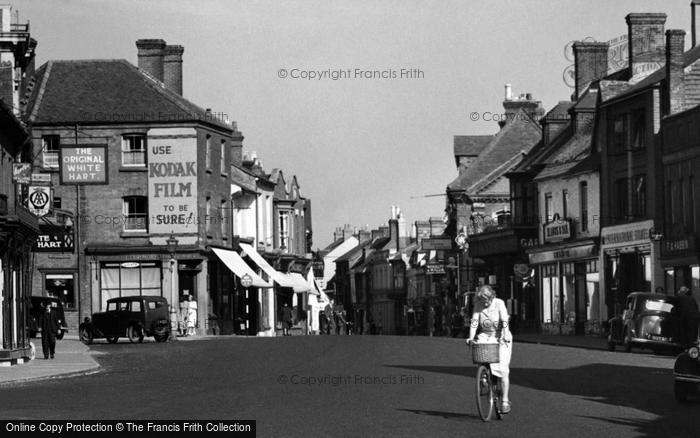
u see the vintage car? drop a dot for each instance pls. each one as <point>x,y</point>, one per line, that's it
<point>37,308</point>
<point>134,317</point>
<point>648,321</point>
<point>686,373</point>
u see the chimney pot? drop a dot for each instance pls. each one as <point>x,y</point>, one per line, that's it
<point>509,92</point>
<point>172,68</point>
<point>150,56</point>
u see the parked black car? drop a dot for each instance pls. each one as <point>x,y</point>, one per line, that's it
<point>648,321</point>
<point>37,308</point>
<point>134,317</point>
<point>686,373</point>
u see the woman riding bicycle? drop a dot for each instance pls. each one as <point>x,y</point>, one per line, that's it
<point>491,317</point>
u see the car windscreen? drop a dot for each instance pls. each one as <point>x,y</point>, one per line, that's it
<point>658,306</point>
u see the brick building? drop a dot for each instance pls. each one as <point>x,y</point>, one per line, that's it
<point>18,227</point>
<point>161,171</point>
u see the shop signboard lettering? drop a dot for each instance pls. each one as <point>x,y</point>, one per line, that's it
<point>83,164</point>
<point>557,230</point>
<point>434,268</point>
<point>172,183</point>
<point>54,242</point>
<point>625,236</point>
<point>436,244</point>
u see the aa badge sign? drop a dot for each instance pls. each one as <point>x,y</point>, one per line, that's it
<point>39,200</point>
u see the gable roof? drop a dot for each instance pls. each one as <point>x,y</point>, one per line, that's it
<point>502,153</point>
<point>106,92</point>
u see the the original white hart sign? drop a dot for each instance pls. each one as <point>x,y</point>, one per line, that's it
<point>172,181</point>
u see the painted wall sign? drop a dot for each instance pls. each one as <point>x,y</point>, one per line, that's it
<point>172,183</point>
<point>83,164</point>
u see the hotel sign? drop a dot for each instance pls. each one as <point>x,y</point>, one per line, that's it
<point>172,182</point>
<point>83,164</point>
<point>54,242</point>
<point>557,230</point>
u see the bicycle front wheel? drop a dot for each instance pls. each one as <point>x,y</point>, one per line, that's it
<point>484,392</point>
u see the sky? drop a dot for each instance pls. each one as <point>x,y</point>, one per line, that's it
<point>370,138</point>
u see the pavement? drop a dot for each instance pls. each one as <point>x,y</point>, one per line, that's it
<point>73,358</point>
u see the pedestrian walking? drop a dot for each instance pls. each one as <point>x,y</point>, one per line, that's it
<point>286,320</point>
<point>191,316</point>
<point>49,324</point>
<point>689,316</point>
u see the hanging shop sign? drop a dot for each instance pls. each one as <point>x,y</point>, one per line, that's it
<point>557,230</point>
<point>39,200</point>
<point>21,173</point>
<point>54,242</point>
<point>83,164</point>
<point>434,268</point>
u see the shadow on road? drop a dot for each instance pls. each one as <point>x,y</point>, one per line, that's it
<point>446,415</point>
<point>642,388</point>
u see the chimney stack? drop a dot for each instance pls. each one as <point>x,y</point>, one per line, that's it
<point>674,83</point>
<point>172,68</point>
<point>150,54</point>
<point>590,63</point>
<point>645,40</point>
<point>525,102</point>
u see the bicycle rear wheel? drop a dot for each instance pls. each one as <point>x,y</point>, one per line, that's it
<point>484,392</point>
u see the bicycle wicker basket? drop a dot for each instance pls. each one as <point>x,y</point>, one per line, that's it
<point>485,353</point>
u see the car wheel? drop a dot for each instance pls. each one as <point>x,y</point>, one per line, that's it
<point>611,343</point>
<point>112,339</point>
<point>86,336</point>
<point>627,343</point>
<point>681,390</point>
<point>60,334</point>
<point>135,334</point>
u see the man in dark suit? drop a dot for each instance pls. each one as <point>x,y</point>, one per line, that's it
<point>689,316</point>
<point>49,325</point>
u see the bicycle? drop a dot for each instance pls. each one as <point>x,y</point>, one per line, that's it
<point>488,386</point>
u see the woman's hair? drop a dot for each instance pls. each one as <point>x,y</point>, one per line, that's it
<point>486,292</point>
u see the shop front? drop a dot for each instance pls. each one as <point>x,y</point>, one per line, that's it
<point>569,287</point>
<point>680,260</point>
<point>629,261</point>
<point>498,258</point>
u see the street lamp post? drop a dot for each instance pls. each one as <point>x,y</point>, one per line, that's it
<point>171,244</point>
<point>246,282</point>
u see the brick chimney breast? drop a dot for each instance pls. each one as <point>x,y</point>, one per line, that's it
<point>172,68</point>
<point>591,63</point>
<point>150,55</point>
<point>674,86</point>
<point>645,40</point>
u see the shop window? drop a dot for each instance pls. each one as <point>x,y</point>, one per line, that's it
<point>50,146</point>
<point>129,279</point>
<point>61,286</point>
<point>134,150</point>
<point>135,210</point>
<point>550,294</point>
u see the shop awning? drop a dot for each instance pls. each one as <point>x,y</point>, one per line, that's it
<point>300,285</point>
<point>239,267</point>
<point>278,277</point>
